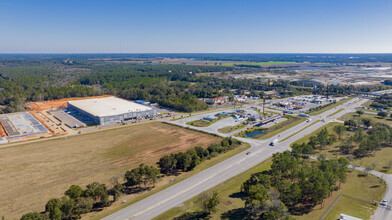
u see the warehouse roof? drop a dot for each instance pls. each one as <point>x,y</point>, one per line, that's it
<point>108,106</point>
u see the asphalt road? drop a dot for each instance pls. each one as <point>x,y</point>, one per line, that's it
<point>175,195</point>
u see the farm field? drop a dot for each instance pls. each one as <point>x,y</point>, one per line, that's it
<point>45,169</point>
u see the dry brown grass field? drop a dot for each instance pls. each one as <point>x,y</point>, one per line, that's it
<point>32,173</point>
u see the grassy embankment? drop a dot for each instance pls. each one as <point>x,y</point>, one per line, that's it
<point>322,110</point>
<point>55,164</point>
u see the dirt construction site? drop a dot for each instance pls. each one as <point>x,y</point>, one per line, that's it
<point>36,123</point>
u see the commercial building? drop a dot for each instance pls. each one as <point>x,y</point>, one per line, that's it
<point>110,109</point>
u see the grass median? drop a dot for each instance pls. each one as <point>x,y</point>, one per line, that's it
<point>275,129</point>
<point>299,131</point>
<point>317,112</point>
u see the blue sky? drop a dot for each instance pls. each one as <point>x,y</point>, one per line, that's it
<point>198,26</point>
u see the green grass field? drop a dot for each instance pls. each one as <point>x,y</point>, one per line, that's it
<point>32,173</point>
<point>335,112</point>
<point>229,129</point>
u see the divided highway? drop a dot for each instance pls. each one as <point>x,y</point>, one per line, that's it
<point>175,195</point>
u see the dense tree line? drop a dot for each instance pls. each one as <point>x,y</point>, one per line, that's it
<point>173,163</point>
<point>368,137</point>
<point>74,203</point>
<point>39,78</point>
<point>19,85</point>
<point>383,101</point>
<point>293,185</point>
<point>321,106</point>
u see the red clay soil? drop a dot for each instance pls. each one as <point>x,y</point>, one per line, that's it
<point>46,105</point>
<point>2,131</point>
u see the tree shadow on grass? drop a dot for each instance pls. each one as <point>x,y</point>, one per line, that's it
<point>238,195</point>
<point>375,186</point>
<point>233,214</point>
<point>362,175</point>
<point>192,216</point>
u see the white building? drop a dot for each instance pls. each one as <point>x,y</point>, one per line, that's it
<point>111,109</point>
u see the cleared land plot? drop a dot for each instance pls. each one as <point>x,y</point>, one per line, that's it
<point>363,187</point>
<point>45,169</point>
<point>59,103</point>
<point>18,125</point>
<point>206,123</point>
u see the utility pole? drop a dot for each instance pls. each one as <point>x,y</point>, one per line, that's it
<point>327,89</point>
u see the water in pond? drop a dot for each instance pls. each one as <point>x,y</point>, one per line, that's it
<point>257,132</point>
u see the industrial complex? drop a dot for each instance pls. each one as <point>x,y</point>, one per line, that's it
<point>110,109</point>
<point>59,117</point>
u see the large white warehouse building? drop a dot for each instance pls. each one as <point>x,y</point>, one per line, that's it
<point>110,109</point>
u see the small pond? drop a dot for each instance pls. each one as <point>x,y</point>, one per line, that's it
<point>257,132</point>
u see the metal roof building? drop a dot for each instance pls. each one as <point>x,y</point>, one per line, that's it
<point>110,109</point>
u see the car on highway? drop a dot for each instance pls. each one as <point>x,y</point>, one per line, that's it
<point>384,202</point>
<point>323,120</point>
<point>247,153</point>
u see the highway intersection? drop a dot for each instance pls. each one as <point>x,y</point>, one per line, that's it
<point>175,195</point>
